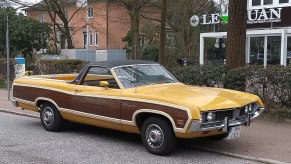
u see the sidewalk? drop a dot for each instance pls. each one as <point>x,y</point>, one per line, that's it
<point>263,139</point>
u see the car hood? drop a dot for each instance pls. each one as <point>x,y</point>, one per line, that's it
<point>204,98</point>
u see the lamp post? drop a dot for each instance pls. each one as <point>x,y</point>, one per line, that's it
<point>7,53</point>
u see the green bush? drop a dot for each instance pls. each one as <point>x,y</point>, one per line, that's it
<point>151,53</point>
<point>58,66</point>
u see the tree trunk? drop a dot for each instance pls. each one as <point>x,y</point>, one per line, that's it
<point>134,16</point>
<point>236,34</point>
<point>162,51</point>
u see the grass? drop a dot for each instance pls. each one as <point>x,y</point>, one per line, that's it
<point>282,114</point>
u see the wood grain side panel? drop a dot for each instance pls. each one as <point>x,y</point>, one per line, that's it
<point>98,106</point>
<point>129,107</point>
<point>63,100</point>
<point>113,108</point>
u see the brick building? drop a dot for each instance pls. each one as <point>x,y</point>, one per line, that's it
<point>94,15</point>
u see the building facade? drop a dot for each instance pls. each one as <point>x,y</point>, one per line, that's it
<point>89,24</point>
<point>268,39</point>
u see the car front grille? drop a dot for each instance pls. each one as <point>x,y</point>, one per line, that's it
<point>220,115</point>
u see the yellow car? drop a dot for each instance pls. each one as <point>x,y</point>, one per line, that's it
<point>137,97</point>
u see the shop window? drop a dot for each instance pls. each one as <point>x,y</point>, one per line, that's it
<point>256,2</point>
<point>257,50</point>
<point>215,51</point>
<point>274,50</point>
<point>268,2</point>
<point>283,1</point>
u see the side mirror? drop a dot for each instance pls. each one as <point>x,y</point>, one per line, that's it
<point>104,84</point>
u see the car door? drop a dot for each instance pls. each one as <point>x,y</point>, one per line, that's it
<point>95,101</point>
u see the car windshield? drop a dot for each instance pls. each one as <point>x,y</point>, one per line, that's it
<point>141,75</point>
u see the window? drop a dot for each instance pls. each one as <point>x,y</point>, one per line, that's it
<point>66,14</point>
<point>90,38</point>
<point>96,38</point>
<point>97,74</point>
<point>256,2</point>
<point>85,39</point>
<point>141,75</point>
<point>142,39</point>
<point>90,12</point>
<point>274,50</point>
<point>42,17</point>
<point>283,1</point>
<point>257,50</point>
<point>268,2</point>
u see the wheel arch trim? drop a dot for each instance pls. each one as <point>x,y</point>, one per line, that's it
<point>149,111</point>
<point>46,99</point>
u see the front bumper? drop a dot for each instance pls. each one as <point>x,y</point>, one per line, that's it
<point>14,102</point>
<point>198,126</point>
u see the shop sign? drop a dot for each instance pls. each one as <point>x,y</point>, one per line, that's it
<point>254,16</point>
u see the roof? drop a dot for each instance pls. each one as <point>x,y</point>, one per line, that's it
<point>117,63</point>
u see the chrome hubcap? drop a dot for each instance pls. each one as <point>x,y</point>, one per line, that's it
<point>154,136</point>
<point>48,116</point>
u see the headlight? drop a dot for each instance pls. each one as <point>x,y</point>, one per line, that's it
<point>210,116</point>
<point>251,108</point>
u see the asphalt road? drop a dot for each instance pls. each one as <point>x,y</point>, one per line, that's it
<point>23,140</point>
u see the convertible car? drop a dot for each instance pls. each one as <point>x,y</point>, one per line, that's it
<point>137,97</point>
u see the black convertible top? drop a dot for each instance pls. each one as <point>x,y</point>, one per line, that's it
<point>116,63</point>
<point>110,64</point>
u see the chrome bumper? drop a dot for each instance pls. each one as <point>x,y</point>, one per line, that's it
<point>14,102</point>
<point>198,126</point>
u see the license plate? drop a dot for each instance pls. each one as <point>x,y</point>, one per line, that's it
<point>234,132</point>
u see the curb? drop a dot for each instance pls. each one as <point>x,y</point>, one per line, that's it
<point>17,113</point>
<point>262,160</point>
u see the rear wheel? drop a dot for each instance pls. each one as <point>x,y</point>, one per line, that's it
<point>50,117</point>
<point>158,136</point>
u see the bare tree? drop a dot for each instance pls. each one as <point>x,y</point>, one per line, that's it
<point>56,10</point>
<point>134,8</point>
<point>236,34</point>
<point>162,51</point>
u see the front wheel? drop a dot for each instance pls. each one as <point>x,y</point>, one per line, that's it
<point>158,136</point>
<point>50,117</point>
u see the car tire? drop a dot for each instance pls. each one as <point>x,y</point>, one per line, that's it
<point>158,136</point>
<point>51,118</point>
<point>219,137</point>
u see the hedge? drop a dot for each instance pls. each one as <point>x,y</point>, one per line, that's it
<point>43,67</point>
